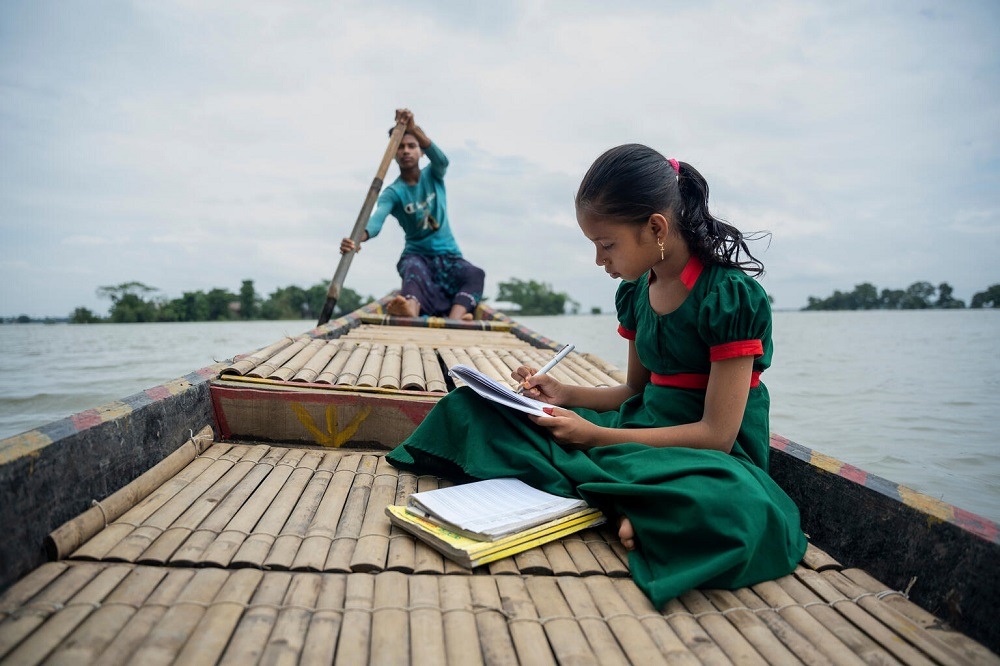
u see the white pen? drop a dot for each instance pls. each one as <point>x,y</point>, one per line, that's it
<point>563,353</point>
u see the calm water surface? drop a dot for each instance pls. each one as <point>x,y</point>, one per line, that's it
<point>910,396</point>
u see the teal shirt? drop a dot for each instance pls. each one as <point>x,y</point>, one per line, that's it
<point>421,209</point>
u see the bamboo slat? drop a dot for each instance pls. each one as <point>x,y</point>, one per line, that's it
<point>315,547</point>
<point>287,638</point>
<point>584,609</point>
<point>818,560</point>
<point>355,633</point>
<point>655,624</point>
<point>390,374</point>
<point>70,535</point>
<point>254,549</point>
<point>462,641</point>
<point>297,362</point>
<point>627,629</point>
<point>692,634</point>
<point>434,377</point>
<point>427,645</point>
<point>372,368</point>
<point>722,632</point>
<point>251,361</point>
<point>565,636</point>
<point>372,549</point>
<point>286,545</point>
<point>324,628</point>
<point>331,372</point>
<point>354,365</point>
<point>209,638</point>
<point>412,369</point>
<point>352,519</point>
<point>248,640</point>
<point>390,620</point>
<point>401,545</point>
<point>266,368</point>
<point>752,628</point>
<point>310,371</point>
<point>496,644</point>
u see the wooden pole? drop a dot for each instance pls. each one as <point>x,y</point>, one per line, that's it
<point>333,293</point>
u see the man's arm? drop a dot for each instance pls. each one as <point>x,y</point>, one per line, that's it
<point>439,162</point>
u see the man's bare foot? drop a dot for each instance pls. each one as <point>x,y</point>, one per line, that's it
<point>626,533</point>
<point>401,306</point>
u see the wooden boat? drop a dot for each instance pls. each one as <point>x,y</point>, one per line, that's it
<point>237,514</point>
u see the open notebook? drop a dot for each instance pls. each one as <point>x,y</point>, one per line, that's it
<point>493,390</point>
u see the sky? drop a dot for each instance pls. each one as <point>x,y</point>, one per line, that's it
<point>195,144</point>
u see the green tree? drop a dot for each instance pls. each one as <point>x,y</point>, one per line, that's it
<point>83,316</point>
<point>128,304</point>
<point>534,298</point>
<point>918,296</point>
<point>249,303</point>
<point>987,299</point>
<point>890,299</point>
<point>288,302</point>
<point>945,299</point>
<point>219,304</point>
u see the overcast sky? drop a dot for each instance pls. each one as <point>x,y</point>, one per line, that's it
<point>191,145</point>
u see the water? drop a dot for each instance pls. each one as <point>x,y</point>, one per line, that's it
<point>910,396</point>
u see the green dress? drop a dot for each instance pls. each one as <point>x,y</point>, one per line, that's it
<point>702,518</point>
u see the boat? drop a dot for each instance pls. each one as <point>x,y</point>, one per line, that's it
<point>237,514</point>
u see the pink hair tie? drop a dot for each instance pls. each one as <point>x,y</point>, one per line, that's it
<point>676,165</point>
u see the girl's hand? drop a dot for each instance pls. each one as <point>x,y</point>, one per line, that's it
<point>569,428</point>
<point>540,387</point>
<point>347,245</point>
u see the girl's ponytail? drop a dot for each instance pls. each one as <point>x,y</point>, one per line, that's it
<point>633,181</point>
<point>711,239</point>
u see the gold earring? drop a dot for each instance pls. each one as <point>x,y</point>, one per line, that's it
<point>660,243</point>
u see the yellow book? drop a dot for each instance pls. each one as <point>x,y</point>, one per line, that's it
<point>473,552</point>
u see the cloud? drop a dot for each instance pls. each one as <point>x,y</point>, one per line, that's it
<point>191,145</point>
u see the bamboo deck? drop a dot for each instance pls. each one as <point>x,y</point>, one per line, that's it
<point>250,553</point>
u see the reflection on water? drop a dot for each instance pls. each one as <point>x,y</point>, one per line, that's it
<point>909,396</point>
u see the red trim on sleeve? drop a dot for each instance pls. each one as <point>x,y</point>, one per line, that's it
<point>625,333</point>
<point>693,380</point>
<point>736,349</point>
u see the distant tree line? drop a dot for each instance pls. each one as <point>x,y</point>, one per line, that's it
<point>134,302</point>
<point>918,296</point>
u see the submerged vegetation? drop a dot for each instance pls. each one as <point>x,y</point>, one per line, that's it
<point>918,296</point>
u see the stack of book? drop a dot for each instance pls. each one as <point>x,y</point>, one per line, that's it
<point>481,522</point>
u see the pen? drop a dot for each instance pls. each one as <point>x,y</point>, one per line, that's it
<point>563,353</point>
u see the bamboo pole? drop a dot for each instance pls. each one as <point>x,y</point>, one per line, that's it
<point>818,560</point>
<point>425,558</point>
<point>320,360</point>
<point>206,533</point>
<point>495,640</point>
<point>566,637</point>
<point>372,549</point>
<point>533,562</point>
<point>692,634</point>
<point>800,645</point>
<point>287,638</point>
<point>583,558</point>
<point>400,555</point>
<point>461,636</point>
<point>354,364</point>
<point>627,629</point>
<point>354,644</point>
<point>297,362</point>
<point>319,535</point>
<point>349,527</point>
<point>584,608</point>
<point>333,292</point>
<point>427,644</point>
<point>286,545</point>
<point>70,535</point>
<point>69,616</point>
<point>248,640</point>
<point>837,641</point>
<point>100,628</point>
<point>324,629</point>
<point>209,640</point>
<point>390,621</point>
<point>254,549</point>
<point>146,618</point>
<point>336,365</point>
<point>165,641</point>
<point>18,594</point>
<point>251,361</point>
<point>411,369</point>
<point>392,364</point>
<point>666,639</point>
<point>434,377</point>
<point>751,627</point>
<point>372,368</point>
<point>602,551</point>
<point>221,551</point>
<point>722,633</point>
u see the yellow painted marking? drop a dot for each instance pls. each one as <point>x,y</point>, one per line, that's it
<point>113,410</point>
<point>827,463</point>
<point>26,444</point>
<point>333,437</point>
<point>935,509</point>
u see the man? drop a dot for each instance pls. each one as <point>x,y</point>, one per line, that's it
<point>436,279</point>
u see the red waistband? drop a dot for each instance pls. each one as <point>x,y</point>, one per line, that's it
<point>693,380</point>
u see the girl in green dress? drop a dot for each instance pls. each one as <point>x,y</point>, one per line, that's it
<point>679,452</point>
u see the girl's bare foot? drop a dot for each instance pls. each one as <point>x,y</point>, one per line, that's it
<point>626,533</point>
<point>401,306</point>
<point>467,316</point>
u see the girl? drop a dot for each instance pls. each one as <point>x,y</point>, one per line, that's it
<point>680,451</point>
